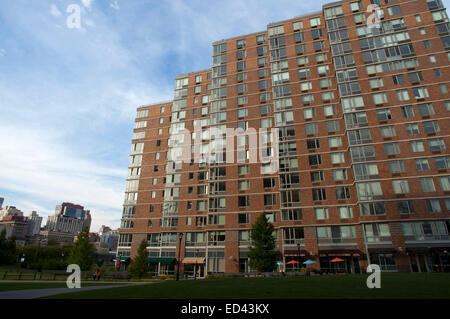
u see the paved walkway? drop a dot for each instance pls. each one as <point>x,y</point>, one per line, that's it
<point>40,293</point>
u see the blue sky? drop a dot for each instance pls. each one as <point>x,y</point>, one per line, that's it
<point>68,97</point>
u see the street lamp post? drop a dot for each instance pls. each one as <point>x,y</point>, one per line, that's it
<point>298,248</point>
<point>179,255</point>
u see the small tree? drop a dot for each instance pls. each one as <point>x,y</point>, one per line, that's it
<point>262,254</point>
<point>7,249</point>
<point>139,267</point>
<point>82,252</point>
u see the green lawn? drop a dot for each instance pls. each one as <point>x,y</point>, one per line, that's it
<point>338,286</point>
<point>11,286</point>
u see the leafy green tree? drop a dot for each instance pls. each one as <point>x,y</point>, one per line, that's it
<point>82,252</point>
<point>139,266</point>
<point>7,249</point>
<point>262,254</point>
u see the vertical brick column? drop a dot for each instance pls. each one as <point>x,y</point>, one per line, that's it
<point>312,247</point>
<point>361,242</point>
<point>232,252</point>
<point>398,242</point>
<point>137,238</point>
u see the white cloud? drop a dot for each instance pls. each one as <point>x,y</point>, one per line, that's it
<point>54,11</point>
<point>37,163</point>
<point>2,52</point>
<point>87,3</point>
<point>114,5</point>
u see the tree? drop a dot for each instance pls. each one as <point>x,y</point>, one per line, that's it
<point>82,252</point>
<point>139,267</point>
<point>7,249</point>
<point>262,254</point>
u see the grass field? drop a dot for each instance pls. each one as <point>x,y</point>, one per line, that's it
<point>393,286</point>
<point>11,286</point>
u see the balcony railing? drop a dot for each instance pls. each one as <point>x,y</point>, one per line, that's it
<point>378,239</point>
<point>297,241</point>
<point>334,241</point>
<point>427,238</point>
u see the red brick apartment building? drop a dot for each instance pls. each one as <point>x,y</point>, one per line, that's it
<point>362,118</point>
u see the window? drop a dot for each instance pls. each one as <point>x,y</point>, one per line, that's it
<point>398,79</point>
<point>387,131</point>
<point>334,141</point>
<point>314,22</point>
<point>337,158</point>
<point>262,50</point>
<point>345,212</point>
<point>260,39</point>
<point>431,127</point>
<point>309,113</point>
<point>417,146</point>
<point>304,73</point>
<point>342,193</point>
<point>412,128</point>
<point>391,149</point>
<point>433,205</point>
<point>394,10</point>
<point>372,209</point>
<point>425,109</point>
<point>244,185</point>
<point>400,186</point>
<point>369,190</point>
<point>376,83</point>
<point>313,144</point>
<point>420,92</point>
<point>384,115</point>
<point>243,169</point>
<point>422,164</point>
<point>396,167</point>
<point>243,201</point>
<point>407,111</point>
<point>444,181</point>
<point>442,162</point>
<point>315,159</point>
<point>436,144</point>
<point>427,184</point>
<point>311,128</point>
<point>379,98</point>
<point>270,199</point>
<point>355,6</point>
<point>339,174</point>
<point>321,213</point>
<point>316,34</point>
<point>403,95</point>
<point>317,177</point>
<point>297,25</point>
<point>329,110</point>
<point>405,207</point>
<point>332,126</point>
<point>244,218</point>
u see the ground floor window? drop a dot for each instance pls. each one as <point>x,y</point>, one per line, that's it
<point>385,261</point>
<point>216,261</point>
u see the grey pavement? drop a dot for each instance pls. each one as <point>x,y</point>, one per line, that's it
<point>40,293</point>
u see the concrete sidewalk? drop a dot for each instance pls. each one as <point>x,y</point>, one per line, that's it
<point>40,293</point>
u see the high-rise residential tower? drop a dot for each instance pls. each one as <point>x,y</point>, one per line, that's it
<point>352,102</point>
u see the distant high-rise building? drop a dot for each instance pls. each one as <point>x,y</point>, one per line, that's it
<point>34,224</point>
<point>1,202</point>
<point>69,218</point>
<point>10,211</point>
<point>353,111</point>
